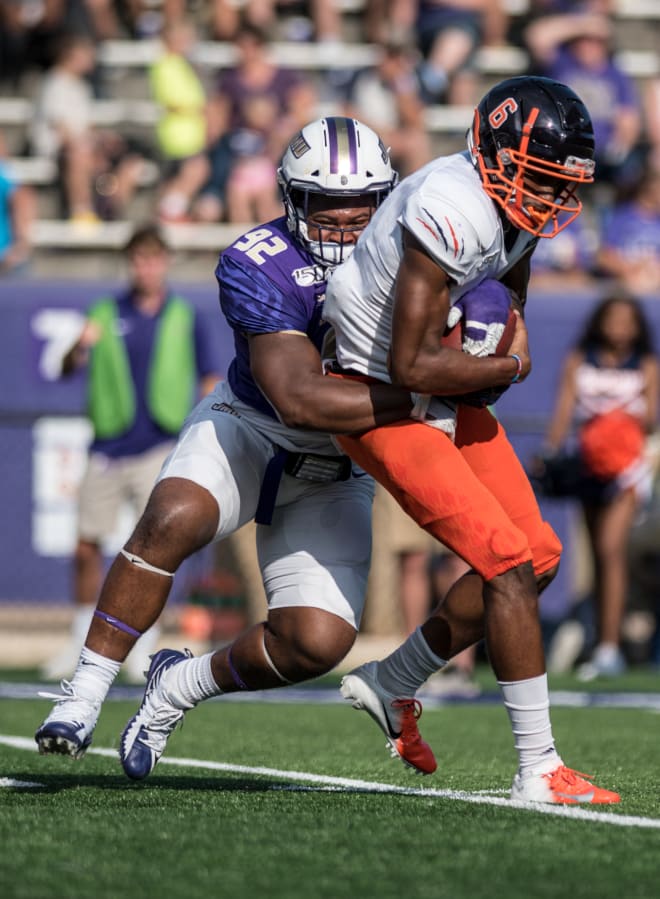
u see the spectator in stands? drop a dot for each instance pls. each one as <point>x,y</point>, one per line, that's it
<point>630,245</point>
<point>147,18</point>
<point>147,350</point>
<point>448,35</point>
<point>29,31</point>
<point>387,98</point>
<point>576,48</point>
<point>253,76</point>
<point>62,128</point>
<point>387,21</point>
<point>32,32</point>
<point>252,191</point>
<point>182,129</point>
<point>609,388</point>
<point>534,10</point>
<point>17,210</point>
<point>317,20</point>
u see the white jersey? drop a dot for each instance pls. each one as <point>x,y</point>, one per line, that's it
<point>447,210</point>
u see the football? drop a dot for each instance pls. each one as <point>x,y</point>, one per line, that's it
<point>455,336</point>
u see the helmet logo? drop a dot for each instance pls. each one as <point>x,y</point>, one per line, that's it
<point>384,152</point>
<point>501,113</point>
<point>299,145</point>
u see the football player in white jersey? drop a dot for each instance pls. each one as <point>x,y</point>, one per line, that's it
<point>443,245</point>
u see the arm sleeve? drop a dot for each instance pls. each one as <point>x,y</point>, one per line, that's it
<point>253,303</point>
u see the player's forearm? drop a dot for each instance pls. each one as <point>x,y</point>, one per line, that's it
<point>343,406</point>
<point>448,372</point>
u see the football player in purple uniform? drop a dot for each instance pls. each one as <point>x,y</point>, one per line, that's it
<point>257,448</point>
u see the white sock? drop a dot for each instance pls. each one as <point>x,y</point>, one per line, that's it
<point>404,671</point>
<point>190,682</point>
<point>94,675</point>
<point>528,705</point>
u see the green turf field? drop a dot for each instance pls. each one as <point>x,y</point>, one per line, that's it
<point>302,800</point>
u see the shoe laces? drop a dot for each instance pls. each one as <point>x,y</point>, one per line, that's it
<point>410,710</point>
<point>68,692</point>
<point>567,777</point>
<point>78,705</point>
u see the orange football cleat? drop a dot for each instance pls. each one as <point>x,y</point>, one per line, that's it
<point>563,785</point>
<point>397,718</point>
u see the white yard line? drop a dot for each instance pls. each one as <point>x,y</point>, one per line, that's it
<point>347,784</point>
<point>19,784</point>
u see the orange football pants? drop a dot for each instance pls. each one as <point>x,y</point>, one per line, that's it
<point>472,495</point>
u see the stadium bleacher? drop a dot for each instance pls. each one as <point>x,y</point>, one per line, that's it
<point>129,108</point>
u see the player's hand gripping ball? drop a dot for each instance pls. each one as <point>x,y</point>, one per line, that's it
<point>482,323</point>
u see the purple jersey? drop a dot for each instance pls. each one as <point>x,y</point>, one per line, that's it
<point>268,283</point>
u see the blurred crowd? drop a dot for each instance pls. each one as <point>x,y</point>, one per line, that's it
<point>220,132</point>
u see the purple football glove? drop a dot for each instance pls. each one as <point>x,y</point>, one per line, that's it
<point>485,312</point>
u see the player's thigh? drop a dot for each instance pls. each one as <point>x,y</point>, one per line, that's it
<point>99,499</point>
<point>221,452</point>
<point>316,551</point>
<point>484,445</point>
<point>428,476</point>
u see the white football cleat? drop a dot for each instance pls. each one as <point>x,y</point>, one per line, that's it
<point>69,727</point>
